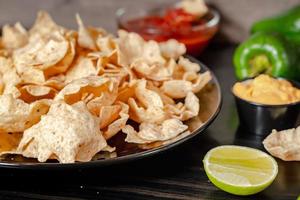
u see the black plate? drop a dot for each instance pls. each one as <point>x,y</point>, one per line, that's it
<point>210,104</point>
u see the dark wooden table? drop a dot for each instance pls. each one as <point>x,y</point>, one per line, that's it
<point>175,174</point>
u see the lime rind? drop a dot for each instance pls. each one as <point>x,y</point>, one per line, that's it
<point>240,186</point>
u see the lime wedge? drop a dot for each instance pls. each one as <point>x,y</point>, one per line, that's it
<point>240,170</point>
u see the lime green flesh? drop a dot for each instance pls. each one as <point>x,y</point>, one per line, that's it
<point>240,170</point>
<point>260,64</point>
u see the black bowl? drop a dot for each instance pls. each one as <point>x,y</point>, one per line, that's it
<point>260,119</point>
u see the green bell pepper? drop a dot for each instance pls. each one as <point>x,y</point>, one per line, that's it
<point>287,23</point>
<point>268,53</point>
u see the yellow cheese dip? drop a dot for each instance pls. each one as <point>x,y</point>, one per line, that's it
<point>267,90</point>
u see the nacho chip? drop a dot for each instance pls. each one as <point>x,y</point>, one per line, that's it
<point>16,115</point>
<point>131,47</point>
<point>76,90</point>
<point>9,77</point>
<point>44,26</point>
<point>284,144</point>
<point>172,49</point>
<point>149,132</point>
<point>149,107</point>
<point>63,64</point>
<point>153,114</point>
<point>83,67</point>
<point>177,88</point>
<point>108,114</point>
<point>180,88</point>
<point>31,93</point>
<point>39,56</point>
<point>106,44</point>
<point>125,93</point>
<point>117,125</point>
<point>165,99</point>
<point>14,37</point>
<point>184,111</point>
<point>188,66</point>
<point>67,133</point>
<point>156,71</point>
<point>194,7</point>
<point>85,38</point>
<point>56,82</point>
<point>9,141</point>
<point>147,97</point>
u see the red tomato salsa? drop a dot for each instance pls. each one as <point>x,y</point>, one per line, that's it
<point>174,23</point>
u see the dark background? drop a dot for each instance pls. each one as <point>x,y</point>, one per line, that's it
<point>175,174</point>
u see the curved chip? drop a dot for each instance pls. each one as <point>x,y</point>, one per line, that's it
<point>172,49</point>
<point>9,141</point>
<point>180,88</point>
<point>139,114</point>
<point>187,65</point>
<point>195,7</point>
<point>16,115</point>
<point>9,77</point>
<point>106,44</point>
<point>78,89</point>
<point>149,107</point>
<point>40,57</point>
<point>177,88</point>
<point>150,132</point>
<point>67,133</point>
<point>87,36</point>
<point>118,123</point>
<point>56,82</point>
<point>14,36</point>
<point>63,64</point>
<point>147,97</point>
<point>156,71</point>
<point>83,67</point>
<point>132,46</point>
<point>184,111</point>
<point>44,26</point>
<point>31,93</point>
<point>284,144</point>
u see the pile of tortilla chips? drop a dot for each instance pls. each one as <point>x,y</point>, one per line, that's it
<point>65,93</point>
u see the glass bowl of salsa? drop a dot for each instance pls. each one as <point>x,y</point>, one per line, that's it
<point>171,22</point>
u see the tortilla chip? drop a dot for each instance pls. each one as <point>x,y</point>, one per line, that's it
<point>172,49</point>
<point>85,39</point>
<point>139,114</point>
<point>117,125</point>
<point>284,144</point>
<point>149,132</point>
<point>194,7</point>
<point>184,111</point>
<point>83,67</point>
<point>67,133</point>
<point>9,141</point>
<point>187,65</point>
<point>131,47</point>
<point>76,90</point>
<point>156,71</point>
<point>14,37</point>
<point>44,26</point>
<point>31,93</point>
<point>16,115</point>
